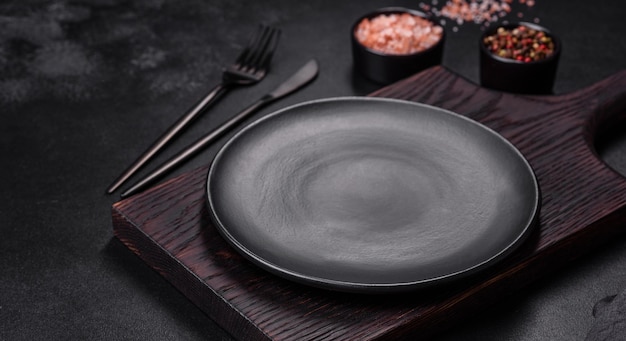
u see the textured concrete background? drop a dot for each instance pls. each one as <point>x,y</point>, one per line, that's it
<point>85,86</point>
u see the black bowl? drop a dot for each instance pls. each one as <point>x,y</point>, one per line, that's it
<point>387,68</point>
<point>510,75</point>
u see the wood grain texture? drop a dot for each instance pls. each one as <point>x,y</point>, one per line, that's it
<point>583,205</point>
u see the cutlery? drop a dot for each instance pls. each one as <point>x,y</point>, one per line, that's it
<point>249,68</point>
<point>302,77</point>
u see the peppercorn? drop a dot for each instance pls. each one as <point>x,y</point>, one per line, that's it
<point>521,43</point>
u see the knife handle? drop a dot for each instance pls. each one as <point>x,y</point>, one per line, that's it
<point>195,147</point>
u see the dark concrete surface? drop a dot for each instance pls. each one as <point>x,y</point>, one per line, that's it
<point>85,86</point>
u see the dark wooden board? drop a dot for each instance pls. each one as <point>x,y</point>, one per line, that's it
<point>583,205</point>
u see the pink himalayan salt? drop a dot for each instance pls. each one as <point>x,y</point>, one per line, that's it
<point>398,33</point>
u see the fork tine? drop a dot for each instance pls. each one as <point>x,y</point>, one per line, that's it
<point>265,59</point>
<point>263,52</point>
<point>260,50</point>
<point>253,41</point>
<point>254,44</point>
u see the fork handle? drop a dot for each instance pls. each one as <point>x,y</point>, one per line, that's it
<point>196,147</point>
<point>172,132</point>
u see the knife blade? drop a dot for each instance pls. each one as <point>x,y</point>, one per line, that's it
<point>299,79</point>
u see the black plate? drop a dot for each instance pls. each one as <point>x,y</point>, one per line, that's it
<point>371,195</point>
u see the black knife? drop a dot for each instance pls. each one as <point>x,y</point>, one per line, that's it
<point>302,77</point>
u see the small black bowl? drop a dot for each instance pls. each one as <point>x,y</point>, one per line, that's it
<point>510,75</point>
<point>387,68</point>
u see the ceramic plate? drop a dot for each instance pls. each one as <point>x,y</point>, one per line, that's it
<point>371,195</point>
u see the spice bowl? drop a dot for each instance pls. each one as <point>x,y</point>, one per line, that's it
<point>392,43</point>
<point>519,58</point>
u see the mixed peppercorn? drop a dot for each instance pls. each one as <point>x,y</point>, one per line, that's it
<point>521,43</point>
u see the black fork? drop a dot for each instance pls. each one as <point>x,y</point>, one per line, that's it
<point>253,62</point>
<point>249,68</point>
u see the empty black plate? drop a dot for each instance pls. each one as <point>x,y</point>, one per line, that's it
<point>371,195</point>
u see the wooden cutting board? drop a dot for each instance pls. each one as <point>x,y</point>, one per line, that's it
<point>583,205</point>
